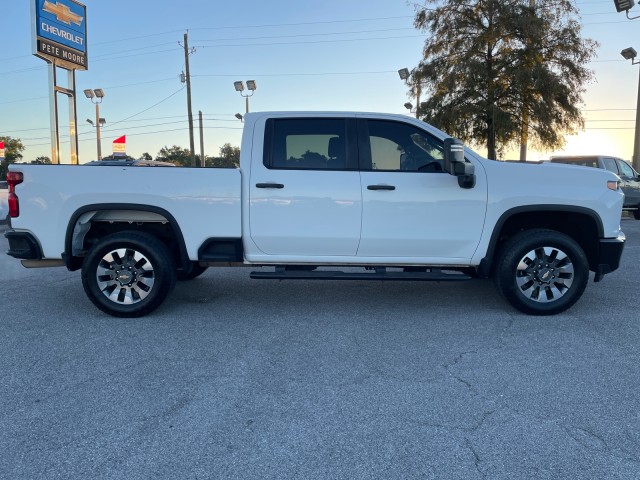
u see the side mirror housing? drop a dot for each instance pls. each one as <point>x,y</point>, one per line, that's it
<point>455,165</point>
<point>453,154</point>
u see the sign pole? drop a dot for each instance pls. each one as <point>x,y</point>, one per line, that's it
<point>53,113</point>
<point>73,117</point>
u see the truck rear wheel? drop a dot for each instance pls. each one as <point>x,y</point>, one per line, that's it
<point>541,272</point>
<point>128,274</point>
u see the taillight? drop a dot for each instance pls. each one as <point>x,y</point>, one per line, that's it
<point>13,179</point>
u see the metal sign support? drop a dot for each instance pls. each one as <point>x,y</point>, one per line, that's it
<point>53,115</point>
<point>70,92</point>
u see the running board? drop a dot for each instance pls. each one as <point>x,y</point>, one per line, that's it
<point>380,273</point>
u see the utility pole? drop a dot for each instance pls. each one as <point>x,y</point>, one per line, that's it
<point>188,75</point>
<point>201,139</point>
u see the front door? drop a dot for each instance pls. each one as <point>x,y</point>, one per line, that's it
<point>411,207</point>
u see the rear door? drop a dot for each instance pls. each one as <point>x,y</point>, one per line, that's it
<point>305,195</point>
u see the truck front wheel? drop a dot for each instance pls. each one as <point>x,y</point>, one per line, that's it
<point>193,271</point>
<point>128,274</point>
<point>541,272</point>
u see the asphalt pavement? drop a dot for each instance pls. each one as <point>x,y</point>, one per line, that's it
<point>235,378</point>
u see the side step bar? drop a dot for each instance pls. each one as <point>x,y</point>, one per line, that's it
<point>379,273</point>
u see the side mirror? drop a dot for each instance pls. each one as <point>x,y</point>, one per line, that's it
<point>455,165</point>
<point>453,154</point>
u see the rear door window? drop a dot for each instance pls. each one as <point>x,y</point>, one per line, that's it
<point>308,144</point>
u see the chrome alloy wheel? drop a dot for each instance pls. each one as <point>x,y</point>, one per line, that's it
<point>545,274</point>
<point>125,276</point>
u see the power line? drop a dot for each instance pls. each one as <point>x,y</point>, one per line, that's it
<point>305,35</point>
<point>149,108</point>
<point>293,74</point>
<point>231,27</point>
<point>310,42</point>
<point>302,23</point>
<point>138,134</point>
<point>184,116</point>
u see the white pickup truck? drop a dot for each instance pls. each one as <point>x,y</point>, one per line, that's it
<point>316,195</point>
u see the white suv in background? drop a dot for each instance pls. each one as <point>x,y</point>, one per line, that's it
<point>4,206</point>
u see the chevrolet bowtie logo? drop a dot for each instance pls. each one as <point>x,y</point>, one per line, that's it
<point>62,13</point>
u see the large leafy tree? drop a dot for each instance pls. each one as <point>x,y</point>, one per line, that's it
<point>498,72</point>
<point>229,157</point>
<point>41,160</point>
<point>175,154</point>
<point>13,149</point>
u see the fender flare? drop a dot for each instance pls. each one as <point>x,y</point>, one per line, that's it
<point>73,264</point>
<point>487,262</point>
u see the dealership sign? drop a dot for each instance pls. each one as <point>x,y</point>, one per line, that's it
<point>2,150</point>
<point>60,33</point>
<point>120,146</point>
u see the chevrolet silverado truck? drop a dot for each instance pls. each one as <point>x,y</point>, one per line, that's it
<point>323,195</point>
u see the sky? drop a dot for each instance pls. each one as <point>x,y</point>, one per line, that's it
<point>303,55</point>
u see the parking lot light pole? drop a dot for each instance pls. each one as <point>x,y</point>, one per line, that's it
<point>96,97</point>
<point>631,54</point>
<point>251,86</point>
<point>406,75</point>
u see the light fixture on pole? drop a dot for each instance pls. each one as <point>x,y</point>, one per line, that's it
<point>96,97</point>
<point>251,86</point>
<point>405,75</point>
<point>239,116</point>
<point>631,54</point>
<point>625,6</point>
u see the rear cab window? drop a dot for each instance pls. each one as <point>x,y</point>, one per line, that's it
<point>310,144</point>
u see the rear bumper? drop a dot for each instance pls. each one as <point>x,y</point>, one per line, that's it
<point>609,256</point>
<point>23,245</point>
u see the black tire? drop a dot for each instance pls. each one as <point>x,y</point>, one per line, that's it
<point>194,271</point>
<point>636,213</point>
<point>128,274</point>
<point>541,272</point>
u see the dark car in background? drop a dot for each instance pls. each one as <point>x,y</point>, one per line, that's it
<point>629,178</point>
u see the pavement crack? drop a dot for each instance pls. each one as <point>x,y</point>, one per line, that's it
<point>480,422</point>
<point>455,361</point>
<point>503,332</point>
<point>476,458</point>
